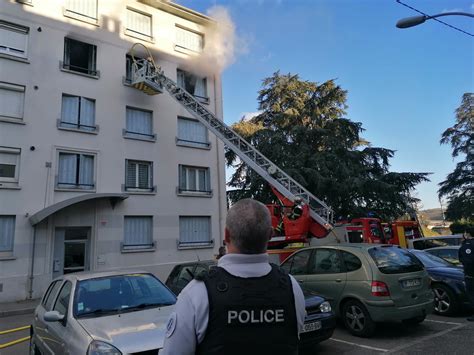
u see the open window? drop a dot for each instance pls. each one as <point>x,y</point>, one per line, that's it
<point>195,85</point>
<point>9,166</point>
<point>80,57</point>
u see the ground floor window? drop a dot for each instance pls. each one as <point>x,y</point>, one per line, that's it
<point>7,234</point>
<point>138,233</point>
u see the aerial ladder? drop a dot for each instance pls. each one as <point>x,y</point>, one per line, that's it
<point>150,79</point>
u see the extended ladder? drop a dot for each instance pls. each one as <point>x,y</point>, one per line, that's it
<point>151,80</point>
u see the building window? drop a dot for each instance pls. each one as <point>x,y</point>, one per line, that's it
<point>7,234</point>
<point>138,233</point>
<point>86,8</point>
<point>12,100</point>
<point>195,230</point>
<point>80,57</point>
<point>13,39</point>
<point>138,175</point>
<point>192,133</point>
<point>77,112</point>
<point>9,166</point>
<point>76,171</point>
<point>189,40</point>
<point>194,179</point>
<point>139,124</point>
<point>193,84</point>
<point>138,23</point>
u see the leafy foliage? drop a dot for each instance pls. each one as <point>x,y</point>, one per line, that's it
<point>459,184</point>
<point>302,129</point>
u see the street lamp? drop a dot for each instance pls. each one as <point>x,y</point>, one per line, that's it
<point>417,20</point>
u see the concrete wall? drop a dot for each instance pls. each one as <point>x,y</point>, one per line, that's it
<point>45,83</point>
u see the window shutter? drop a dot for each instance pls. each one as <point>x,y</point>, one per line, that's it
<point>70,109</point>
<point>7,233</point>
<point>131,174</point>
<point>192,131</point>
<point>67,168</point>
<point>8,165</point>
<point>139,121</point>
<point>87,113</point>
<point>12,99</point>
<point>138,230</point>
<point>83,7</point>
<point>86,171</point>
<point>194,229</point>
<point>13,39</point>
<point>189,40</point>
<point>143,176</point>
<point>138,22</point>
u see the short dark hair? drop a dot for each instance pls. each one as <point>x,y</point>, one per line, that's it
<point>249,225</point>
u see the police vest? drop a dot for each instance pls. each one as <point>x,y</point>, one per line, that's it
<point>466,257</point>
<point>250,316</point>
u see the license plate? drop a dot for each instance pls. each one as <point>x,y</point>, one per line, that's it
<point>311,327</point>
<point>411,283</point>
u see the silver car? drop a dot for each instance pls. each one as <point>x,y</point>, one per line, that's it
<point>114,313</point>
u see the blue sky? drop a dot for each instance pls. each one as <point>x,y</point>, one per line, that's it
<point>403,85</point>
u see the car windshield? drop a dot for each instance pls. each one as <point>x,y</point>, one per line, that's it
<point>392,260</point>
<point>120,293</point>
<point>430,260</point>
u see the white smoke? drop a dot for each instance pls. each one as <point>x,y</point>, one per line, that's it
<point>222,44</point>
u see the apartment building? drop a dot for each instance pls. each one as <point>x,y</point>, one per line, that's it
<point>94,174</point>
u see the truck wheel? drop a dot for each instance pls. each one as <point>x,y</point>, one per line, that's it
<point>357,319</point>
<point>445,303</point>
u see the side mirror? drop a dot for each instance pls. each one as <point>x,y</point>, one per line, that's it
<point>53,316</point>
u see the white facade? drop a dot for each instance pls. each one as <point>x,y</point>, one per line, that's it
<point>151,178</point>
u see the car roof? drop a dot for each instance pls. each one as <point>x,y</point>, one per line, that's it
<point>206,262</point>
<point>349,246</point>
<point>87,275</point>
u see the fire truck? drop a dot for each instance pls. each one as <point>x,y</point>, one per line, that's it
<point>300,218</point>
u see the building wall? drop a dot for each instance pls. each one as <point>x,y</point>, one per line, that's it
<point>44,85</point>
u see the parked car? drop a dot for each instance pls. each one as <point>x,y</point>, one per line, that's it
<point>448,253</point>
<point>365,283</point>
<point>320,320</point>
<point>102,313</point>
<point>433,242</point>
<point>447,282</point>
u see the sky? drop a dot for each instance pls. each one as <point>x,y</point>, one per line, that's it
<point>403,85</point>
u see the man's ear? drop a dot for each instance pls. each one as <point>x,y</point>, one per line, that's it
<point>226,236</point>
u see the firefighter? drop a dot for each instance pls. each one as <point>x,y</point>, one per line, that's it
<point>466,257</point>
<point>297,209</point>
<point>244,305</point>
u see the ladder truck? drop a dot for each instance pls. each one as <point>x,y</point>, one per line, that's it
<point>150,79</point>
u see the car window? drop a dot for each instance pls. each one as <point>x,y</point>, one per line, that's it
<point>51,297</point>
<point>430,260</point>
<point>120,293</point>
<point>298,263</point>
<point>393,260</point>
<point>48,293</point>
<point>351,261</point>
<point>200,269</point>
<point>326,261</point>
<point>450,255</point>
<point>185,276</point>
<point>62,301</point>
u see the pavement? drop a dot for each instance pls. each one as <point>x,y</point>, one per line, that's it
<point>9,309</point>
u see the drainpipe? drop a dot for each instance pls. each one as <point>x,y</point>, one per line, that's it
<point>32,268</point>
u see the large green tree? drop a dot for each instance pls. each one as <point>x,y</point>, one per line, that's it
<point>459,184</point>
<point>301,128</point>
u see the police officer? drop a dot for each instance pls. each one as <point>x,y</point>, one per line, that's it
<point>243,306</point>
<point>466,257</point>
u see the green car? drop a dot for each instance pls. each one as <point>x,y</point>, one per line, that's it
<point>365,283</point>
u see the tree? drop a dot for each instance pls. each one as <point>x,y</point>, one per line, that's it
<point>459,184</point>
<point>302,129</point>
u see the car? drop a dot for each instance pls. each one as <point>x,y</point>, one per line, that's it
<point>448,253</point>
<point>365,283</point>
<point>432,242</point>
<point>320,320</point>
<point>447,282</point>
<point>102,313</point>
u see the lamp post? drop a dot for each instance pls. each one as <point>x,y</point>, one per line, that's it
<point>417,20</point>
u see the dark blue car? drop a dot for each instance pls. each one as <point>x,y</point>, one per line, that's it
<point>447,282</point>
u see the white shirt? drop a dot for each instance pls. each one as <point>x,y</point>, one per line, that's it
<point>187,325</point>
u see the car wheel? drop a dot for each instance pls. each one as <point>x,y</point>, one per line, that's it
<point>414,321</point>
<point>444,300</point>
<point>357,319</point>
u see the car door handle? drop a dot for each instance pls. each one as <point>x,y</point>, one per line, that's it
<point>338,280</point>
<point>300,281</point>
